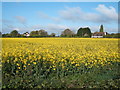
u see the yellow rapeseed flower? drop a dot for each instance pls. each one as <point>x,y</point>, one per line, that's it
<point>34,63</point>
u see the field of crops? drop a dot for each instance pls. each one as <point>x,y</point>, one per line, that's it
<point>60,63</point>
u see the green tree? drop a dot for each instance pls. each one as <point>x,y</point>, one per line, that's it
<point>80,32</point>
<point>84,32</point>
<point>14,33</point>
<point>34,33</point>
<point>0,34</point>
<point>42,32</point>
<point>101,28</point>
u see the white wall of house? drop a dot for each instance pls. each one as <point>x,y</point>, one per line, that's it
<point>105,33</point>
<point>28,35</point>
<point>97,37</point>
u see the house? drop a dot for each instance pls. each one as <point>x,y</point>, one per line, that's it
<point>26,34</point>
<point>98,34</point>
<point>86,34</point>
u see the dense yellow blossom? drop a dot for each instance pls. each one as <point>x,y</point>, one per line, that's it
<point>60,52</point>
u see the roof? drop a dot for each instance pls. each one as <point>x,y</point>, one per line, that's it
<point>99,34</point>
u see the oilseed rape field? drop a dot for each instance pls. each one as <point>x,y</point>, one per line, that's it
<point>60,63</point>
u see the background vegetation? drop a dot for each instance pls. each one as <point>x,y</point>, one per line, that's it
<point>82,32</point>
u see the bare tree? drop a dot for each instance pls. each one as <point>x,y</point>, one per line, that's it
<point>67,33</point>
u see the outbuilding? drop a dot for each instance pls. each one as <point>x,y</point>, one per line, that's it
<point>98,34</point>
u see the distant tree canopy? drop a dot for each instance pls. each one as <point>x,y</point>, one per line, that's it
<point>113,35</point>
<point>67,33</point>
<point>14,33</point>
<point>84,32</point>
<point>42,32</point>
<point>101,28</point>
<point>34,33</point>
<point>39,33</point>
<point>52,34</point>
<point>0,33</point>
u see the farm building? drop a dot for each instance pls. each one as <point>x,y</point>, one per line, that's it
<point>98,34</point>
<point>26,34</point>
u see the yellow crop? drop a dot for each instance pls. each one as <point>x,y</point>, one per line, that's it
<point>60,52</point>
<point>41,62</point>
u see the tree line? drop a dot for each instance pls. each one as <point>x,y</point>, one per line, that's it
<point>82,32</point>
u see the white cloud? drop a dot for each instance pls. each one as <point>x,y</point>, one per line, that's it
<point>50,28</point>
<point>16,29</point>
<point>36,27</point>
<point>56,27</point>
<point>45,16</point>
<point>5,21</point>
<point>21,19</point>
<point>106,29</point>
<point>109,12</point>
<point>94,28</point>
<point>72,14</point>
<point>111,30</point>
<point>76,14</point>
<point>8,28</point>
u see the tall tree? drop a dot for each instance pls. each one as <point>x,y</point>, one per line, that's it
<point>101,28</point>
<point>80,32</point>
<point>67,33</point>
<point>14,33</point>
<point>84,32</point>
